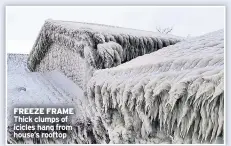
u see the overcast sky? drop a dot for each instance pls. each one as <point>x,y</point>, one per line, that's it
<point>24,22</point>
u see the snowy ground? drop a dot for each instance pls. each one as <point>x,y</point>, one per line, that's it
<point>33,89</point>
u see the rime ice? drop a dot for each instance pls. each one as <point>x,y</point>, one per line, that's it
<point>173,95</point>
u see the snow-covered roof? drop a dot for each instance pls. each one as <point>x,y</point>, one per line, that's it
<point>179,89</point>
<point>102,28</point>
<point>76,36</point>
<point>208,46</point>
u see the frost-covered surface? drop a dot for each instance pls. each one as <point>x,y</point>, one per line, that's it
<point>108,29</point>
<point>100,46</point>
<point>50,89</point>
<point>63,59</point>
<point>173,95</point>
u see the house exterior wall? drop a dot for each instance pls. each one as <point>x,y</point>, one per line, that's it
<point>65,60</point>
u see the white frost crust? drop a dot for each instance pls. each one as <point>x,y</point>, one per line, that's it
<point>174,95</point>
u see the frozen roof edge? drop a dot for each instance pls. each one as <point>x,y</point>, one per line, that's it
<point>207,36</point>
<point>109,28</point>
<point>65,33</point>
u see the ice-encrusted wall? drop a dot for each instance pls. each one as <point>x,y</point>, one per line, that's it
<point>65,60</point>
<point>173,95</point>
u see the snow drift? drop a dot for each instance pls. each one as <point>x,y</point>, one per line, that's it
<point>173,95</point>
<point>77,49</point>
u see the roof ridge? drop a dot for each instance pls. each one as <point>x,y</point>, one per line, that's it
<point>106,25</point>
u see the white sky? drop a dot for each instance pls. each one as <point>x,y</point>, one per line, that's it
<point>24,22</point>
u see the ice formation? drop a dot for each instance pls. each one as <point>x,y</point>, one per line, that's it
<point>77,49</point>
<point>173,95</point>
